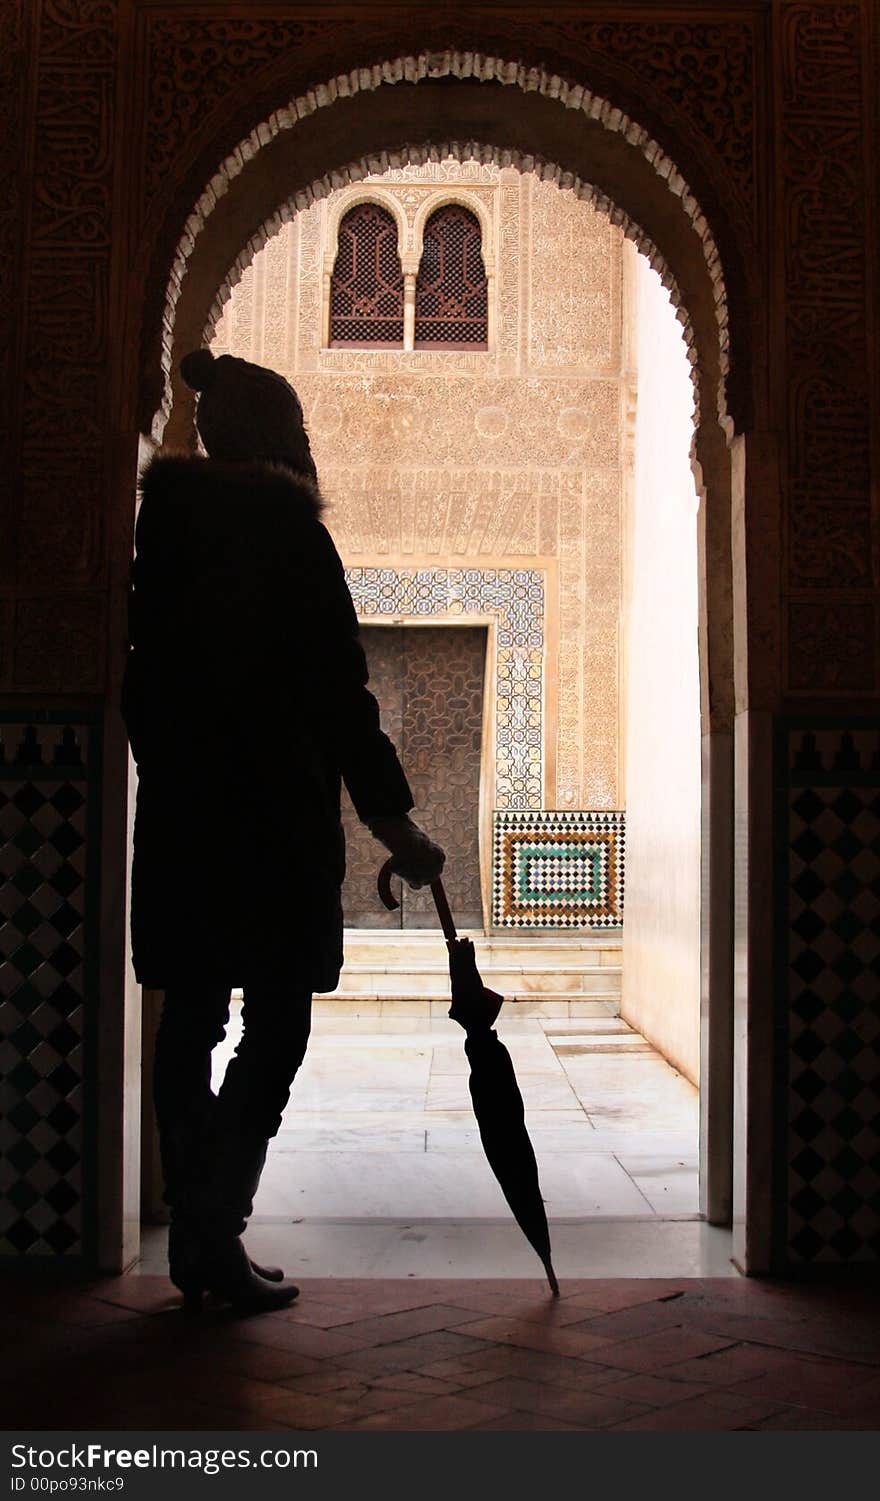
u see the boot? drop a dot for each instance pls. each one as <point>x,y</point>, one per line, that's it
<point>188,1157</point>
<point>223,1205</point>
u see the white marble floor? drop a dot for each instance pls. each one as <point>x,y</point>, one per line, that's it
<point>378,1168</point>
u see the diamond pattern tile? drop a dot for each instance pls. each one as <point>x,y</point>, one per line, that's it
<point>833,968</point>
<point>44,784</point>
<point>558,869</point>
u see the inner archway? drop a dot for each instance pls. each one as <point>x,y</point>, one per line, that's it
<point>656,197</point>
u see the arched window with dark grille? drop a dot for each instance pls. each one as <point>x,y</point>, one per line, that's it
<point>452,305</point>
<point>366,292</point>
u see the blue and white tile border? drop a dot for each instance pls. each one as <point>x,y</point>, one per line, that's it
<point>516,598</point>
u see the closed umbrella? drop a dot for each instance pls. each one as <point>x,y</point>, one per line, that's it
<point>498,1104</point>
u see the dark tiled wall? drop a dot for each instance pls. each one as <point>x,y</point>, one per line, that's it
<point>828,996</point>
<point>49,777</point>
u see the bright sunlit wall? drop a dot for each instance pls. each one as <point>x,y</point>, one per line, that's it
<point>661,977</point>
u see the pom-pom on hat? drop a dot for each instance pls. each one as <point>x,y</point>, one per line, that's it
<point>246,411</point>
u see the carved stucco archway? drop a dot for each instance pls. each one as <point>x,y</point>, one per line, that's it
<point>291,157</point>
<point>340,132</point>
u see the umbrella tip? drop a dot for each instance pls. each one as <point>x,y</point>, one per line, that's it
<point>551,1278</point>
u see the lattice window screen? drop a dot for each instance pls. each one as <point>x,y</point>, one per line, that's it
<point>366,294</point>
<point>451,289</point>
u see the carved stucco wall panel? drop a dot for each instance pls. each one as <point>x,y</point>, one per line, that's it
<point>515,452</point>
<point>828,489</point>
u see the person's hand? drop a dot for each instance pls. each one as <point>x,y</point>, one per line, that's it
<point>417,859</point>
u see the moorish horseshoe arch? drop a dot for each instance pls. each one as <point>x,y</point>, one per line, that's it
<point>567,135</point>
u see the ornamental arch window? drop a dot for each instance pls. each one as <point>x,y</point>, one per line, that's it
<point>366,287</point>
<point>451,293</point>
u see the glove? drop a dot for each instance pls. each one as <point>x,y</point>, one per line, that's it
<point>417,859</point>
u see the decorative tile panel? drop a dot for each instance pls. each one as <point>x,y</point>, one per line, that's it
<point>558,870</point>
<point>516,597</point>
<point>830,998</point>
<point>46,909</point>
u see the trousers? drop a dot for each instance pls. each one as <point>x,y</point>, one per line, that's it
<point>258,1078</point>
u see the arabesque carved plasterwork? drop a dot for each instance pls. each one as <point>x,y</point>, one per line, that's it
<point>509,454</point>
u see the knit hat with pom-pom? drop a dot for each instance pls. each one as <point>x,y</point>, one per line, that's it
<point>246,411</point>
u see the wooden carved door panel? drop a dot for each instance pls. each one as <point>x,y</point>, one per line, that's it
<point>429,683</point>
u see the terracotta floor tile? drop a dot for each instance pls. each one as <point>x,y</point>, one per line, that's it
<point>322,1314</point>
<point>414,1382</point>
<point>325,1377</point>
<point>268,1329</point>
<point>726,1366</point>
<point>656,1391</point>
<point>413,1354</point>
<point>358,1401</point>
<point>430,1415</point>
<point>542,1365</point>
<point>623,1323</point>
<point>388,1328</point>
<point>541,1307</point>
<point>262,1362</point>
<point>458,1373</point>
<point>606,1296</point>
<point>527,1422</point>
<point>710,1412</point>
<point>655,1351</point>
<point>587,1409</point>
<point>829,1386</point>
<point>488,1355</point>
<point>147,1294</point>
<point>807,1420</point>
<point>536,1336</point>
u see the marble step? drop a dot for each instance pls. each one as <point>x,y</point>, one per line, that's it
<point>556,1007</point>
<point>414,965</point>
<point>430,980</point>
<point>525,950</point>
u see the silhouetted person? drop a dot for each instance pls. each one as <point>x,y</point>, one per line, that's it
<point>246,702</point>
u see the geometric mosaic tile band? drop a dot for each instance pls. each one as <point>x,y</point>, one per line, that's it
<point>832,878</point>
<point>44,783</point>
<point>558,869</point>
<point>516,598</point>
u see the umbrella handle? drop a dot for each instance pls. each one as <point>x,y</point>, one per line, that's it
<point>383,884</point>
<point>389,900</point>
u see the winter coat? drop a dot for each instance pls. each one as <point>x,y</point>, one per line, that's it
<point>246,702</point>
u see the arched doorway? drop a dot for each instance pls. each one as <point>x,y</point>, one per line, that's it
<point>642,188</point>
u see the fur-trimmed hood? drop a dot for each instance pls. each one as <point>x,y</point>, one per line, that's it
<point>191,480</point>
